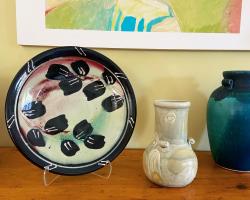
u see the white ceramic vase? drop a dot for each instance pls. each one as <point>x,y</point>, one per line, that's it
<point>169,160</point>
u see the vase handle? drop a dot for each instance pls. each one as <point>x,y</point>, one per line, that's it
<point>191,141</point>
<point>227,83</point>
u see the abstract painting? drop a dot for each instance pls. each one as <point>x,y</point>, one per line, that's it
<point>135,24</point>
<point>200,16</point>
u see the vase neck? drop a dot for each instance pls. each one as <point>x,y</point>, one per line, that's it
<point>236,80</point>
<point>171,124</point>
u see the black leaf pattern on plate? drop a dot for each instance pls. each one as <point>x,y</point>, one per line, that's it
<point>82,130</point>
<point>94,90</point>
<point>35,138</point>
<point>80,67</point>
<point>58,72</point>
<point>70,85</point>
<point>34,109</point>
<point>95,141</point>
<point>69,148</point>
<point>108,77</point>
<point>112,103</point>
<point>56,125</point>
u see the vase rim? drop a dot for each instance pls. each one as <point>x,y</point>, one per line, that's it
<point>172,103</point>
<point>236,73</point>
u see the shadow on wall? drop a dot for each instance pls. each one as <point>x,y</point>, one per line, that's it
<point>171,88</point>
<point>5,139</point>
<point>144,128</point>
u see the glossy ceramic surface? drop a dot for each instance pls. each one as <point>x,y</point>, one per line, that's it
<point>70,110</point>
<point>169,160</point>
<point>228,121</point>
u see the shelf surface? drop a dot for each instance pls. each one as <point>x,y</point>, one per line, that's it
<point>23,181</point>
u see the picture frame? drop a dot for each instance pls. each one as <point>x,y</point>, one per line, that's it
<point>31,30</point>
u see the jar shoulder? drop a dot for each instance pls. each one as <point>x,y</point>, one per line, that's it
<point>221,93</point>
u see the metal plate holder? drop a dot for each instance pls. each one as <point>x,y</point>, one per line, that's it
<point>49,178</point>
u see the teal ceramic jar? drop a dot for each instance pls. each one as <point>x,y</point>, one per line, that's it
<point>228,121</point>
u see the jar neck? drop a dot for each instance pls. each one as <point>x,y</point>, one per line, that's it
<point>239,80</point>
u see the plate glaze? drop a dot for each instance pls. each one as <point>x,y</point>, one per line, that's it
<point>70,110</point>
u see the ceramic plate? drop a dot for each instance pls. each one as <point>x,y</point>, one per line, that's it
<point>70,110</point>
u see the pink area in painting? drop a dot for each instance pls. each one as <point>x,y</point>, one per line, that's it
<point>235,16</point>
<point>49,10</point>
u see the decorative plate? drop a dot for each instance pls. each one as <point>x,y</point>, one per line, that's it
<point>70,110</point>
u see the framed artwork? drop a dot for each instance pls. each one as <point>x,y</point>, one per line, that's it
<point>147,24</point>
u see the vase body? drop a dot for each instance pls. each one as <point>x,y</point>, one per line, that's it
<point>228,121</point>
<point>169,160</point>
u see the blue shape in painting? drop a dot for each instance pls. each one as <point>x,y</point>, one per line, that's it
<point>154,22</point>
<point>141,25</point>
<point>129,23</point>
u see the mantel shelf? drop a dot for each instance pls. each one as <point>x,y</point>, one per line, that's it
<point>23,181</point>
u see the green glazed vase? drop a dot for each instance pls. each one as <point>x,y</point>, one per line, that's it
<point>228,121</point>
